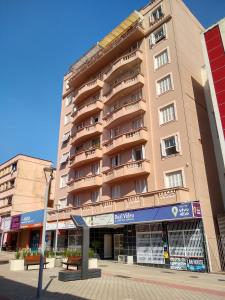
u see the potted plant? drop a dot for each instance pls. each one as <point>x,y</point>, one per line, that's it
<point>17,264</point>
<point>50,258</point>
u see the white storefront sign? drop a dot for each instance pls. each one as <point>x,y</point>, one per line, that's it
<point>68,224</point>
<point>100,220</point>
<point>6,223</point>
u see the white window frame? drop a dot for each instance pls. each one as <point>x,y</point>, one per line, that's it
<point>67,118</point>
<point>165,174</point>
<point>151,20</point>
<point>65,157</point>
<point>152,41</point>
<point>113,159</point>
<point>68,100</point>
<point>157,84</point>
<point>141,186</point>
<point>142,147</point>
<point>115,194</point>
<point>95,196</point>
<point>66,137</point>
<point>135,122</point>
<point>95,168</point>
<point>163,107</point>
<point>158,54</point>
<point>177,141</point>
<point>62,201</point>
<point>62,184</point>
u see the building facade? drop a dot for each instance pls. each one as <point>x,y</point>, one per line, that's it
<point>22,192</point>
<point>134,156</point>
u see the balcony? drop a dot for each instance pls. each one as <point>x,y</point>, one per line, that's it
<point>86,157</point>
<point>88,89</point>
<point>102,57</point>
<point>128,111</point>
<point>86,132</point>
<point>125,86</point>
<point>86,110</point>
<point>88,182</point>
<point>126,140</point>
<point>124,61</point>
<point>132,169</point>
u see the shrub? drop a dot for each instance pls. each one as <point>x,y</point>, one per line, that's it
<point>91,253</point>
<point>17,255</point>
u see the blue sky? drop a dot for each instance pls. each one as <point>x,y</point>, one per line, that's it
<point>39,40</point>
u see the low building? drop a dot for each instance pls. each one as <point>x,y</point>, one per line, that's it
<point>22,192</point>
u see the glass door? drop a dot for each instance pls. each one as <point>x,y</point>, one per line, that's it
<point>118,245</point>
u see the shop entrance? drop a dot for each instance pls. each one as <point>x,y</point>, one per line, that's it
<point>107,246</point>
<point>118,245</point>
<point>34,240</point>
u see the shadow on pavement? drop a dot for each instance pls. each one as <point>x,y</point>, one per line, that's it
<point>13,290</point>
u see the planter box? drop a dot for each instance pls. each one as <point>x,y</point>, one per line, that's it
<point>16,265</point>
<point>51,262</point>
<point>92,263</point>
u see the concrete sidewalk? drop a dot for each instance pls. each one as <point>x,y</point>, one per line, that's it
<point>119,282</point>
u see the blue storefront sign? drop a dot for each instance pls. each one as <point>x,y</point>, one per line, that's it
<point>155,214</point>
<point>32,219</point>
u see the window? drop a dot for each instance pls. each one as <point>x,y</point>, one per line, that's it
<point>12,183</point>
<point>65,158</point>
<point>164,85</point>
<point>94,196</point>
<point>66,137</point>
<point>170,146</point>
<point>141,186</point>
<point>156,15</point>
<point>94,120</point>
<point>167,114</point>
<point>114,132</point>
<point>95,169</point>
<point>115,161</point>
<point>115,192</point>
<point>14,167</point>
<point>161,59</point>
<point>62,203</point>
<point>76,200</point>
<point>158,35</point>
<point>95,143</point>
<point>67,119</point>
<point>174,179</point>
<point>68,100</point>
<point>138,153</point>
<point>138,123</point>
<point>78,174</point>
<point>63,181</point>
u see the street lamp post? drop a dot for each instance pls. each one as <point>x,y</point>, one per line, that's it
<point>49,177</point>
<point>56,232</point>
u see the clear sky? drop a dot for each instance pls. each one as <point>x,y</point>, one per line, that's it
<point>39,40</point>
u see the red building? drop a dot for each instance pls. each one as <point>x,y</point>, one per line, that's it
<point>213,41</point>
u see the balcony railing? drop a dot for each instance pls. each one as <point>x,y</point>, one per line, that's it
<point>87,109</point>
<point>87,182</point>
<point>107,54</point>
<point>125,112</point>
<point>137,80</point>
<point>86,132</point>
<point>149,199</point>
<point>132,169</point>
<point>126,140</point>
<point>85,157</point>
<point>124,60</point>
<point>88,88</point>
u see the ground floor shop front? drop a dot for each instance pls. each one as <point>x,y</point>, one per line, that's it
<point>170,236</point>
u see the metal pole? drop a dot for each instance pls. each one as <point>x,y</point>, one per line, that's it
<point>56,233</point>
<point>40,275</point>
<point>2,236</point>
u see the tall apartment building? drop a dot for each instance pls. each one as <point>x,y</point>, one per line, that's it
<point>22,192</point>
<point>135,157</point>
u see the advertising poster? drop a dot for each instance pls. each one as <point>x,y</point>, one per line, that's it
<point>196,264</point>
<point>178,263</point>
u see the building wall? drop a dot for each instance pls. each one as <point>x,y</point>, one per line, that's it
<point>195,158</point>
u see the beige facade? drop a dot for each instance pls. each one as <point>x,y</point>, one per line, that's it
<point>134,130</point>
<point>22,185</point>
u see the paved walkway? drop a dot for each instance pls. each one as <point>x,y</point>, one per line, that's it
<point>118,282</point>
